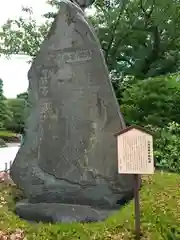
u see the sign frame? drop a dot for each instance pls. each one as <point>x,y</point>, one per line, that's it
<point>137,176</point>
<point>135,151</point>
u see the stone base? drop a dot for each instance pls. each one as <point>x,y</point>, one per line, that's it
<point>57,212</point>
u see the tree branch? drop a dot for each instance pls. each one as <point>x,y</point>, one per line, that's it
<point>116,47</point>
<point>147,14</point>
<point>114,27</point>
<point>153,56</point>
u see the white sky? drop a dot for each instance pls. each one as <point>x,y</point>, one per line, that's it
<point>14,71</point>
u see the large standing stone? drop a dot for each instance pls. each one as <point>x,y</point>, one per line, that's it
<point>69,153</point>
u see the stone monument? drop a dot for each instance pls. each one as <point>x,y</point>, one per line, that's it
<point>67,165</point>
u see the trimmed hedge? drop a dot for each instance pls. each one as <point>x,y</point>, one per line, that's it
<point>8,136</point>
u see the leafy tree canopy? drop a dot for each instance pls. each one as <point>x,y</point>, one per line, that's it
<point>154,101</point>
<point>139,38</point>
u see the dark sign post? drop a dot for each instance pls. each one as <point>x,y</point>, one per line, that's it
<point>137,206</point>
<point>135,156</point>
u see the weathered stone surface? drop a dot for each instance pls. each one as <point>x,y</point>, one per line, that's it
<point>69,154</point>
<point>55,212</point>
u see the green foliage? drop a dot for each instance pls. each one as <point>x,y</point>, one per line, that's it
<point>13,112</point>
<point>23,95</point>
<point>171,234</point>
<point>22,35</point>
<point>8,136</point>
<point>18,108</point>
<point>1,89</point>
<point>167,147</point>
<point>142,37</point>
<point>139,38</point>
<point>4,133</point>
<point>5,114</point>
<point>17,194</point>
<point>155,101</point>
<point>159,216</point>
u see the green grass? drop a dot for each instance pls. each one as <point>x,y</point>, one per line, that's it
<point>7,133</point>
<point>8,136</point>
<point>160,216</point>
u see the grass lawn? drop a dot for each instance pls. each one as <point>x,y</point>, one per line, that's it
<point>7,133</point>
<point>160,216</point>
<point>8,136</point>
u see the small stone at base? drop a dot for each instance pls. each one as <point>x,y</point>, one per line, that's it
<point>57,212</point>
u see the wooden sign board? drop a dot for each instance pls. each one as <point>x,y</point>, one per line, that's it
<point>135,151</point>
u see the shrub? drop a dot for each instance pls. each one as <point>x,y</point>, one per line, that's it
<point>2,143</point>
<point>167,146</point>
<point>9,136</point>
<point>18,109</point>
<point>154,101</point>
